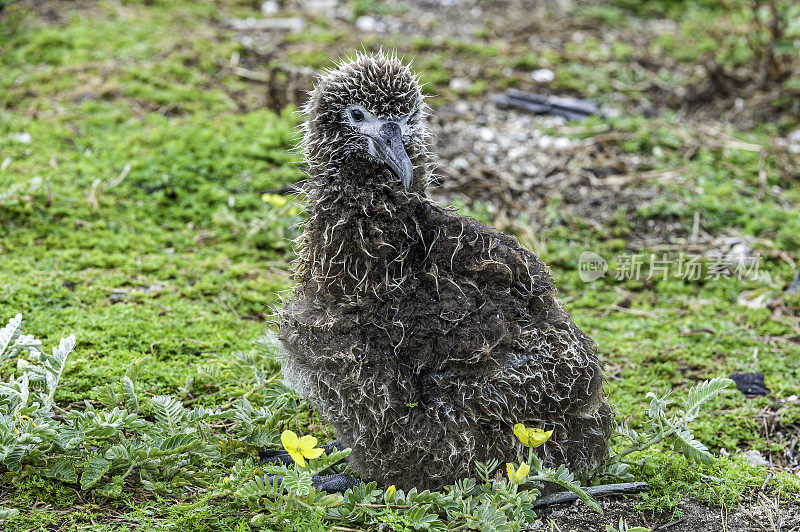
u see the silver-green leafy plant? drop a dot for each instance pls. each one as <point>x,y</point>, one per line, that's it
<point>623,527</point>
<point>159,444</point>
<point>664,426</point>
<point>155,443</point>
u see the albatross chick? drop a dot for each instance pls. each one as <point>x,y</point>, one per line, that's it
<point>422,336</point>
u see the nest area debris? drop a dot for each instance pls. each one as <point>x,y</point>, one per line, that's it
<point>569,108</point>
<point>750,384</point>
<point>401,302</point>
<point>605,490</point>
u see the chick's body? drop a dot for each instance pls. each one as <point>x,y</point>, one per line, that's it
<point>422,336</point>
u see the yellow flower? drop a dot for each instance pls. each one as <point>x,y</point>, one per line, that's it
<point>276,200</point>
<point>391,493</point>
<point>518,476</point>
<point>300,448</point>
<point>531,437</point>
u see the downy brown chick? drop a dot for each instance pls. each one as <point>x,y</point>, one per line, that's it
<point>422,336</point>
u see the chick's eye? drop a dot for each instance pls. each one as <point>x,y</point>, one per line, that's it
<point>357,115</point>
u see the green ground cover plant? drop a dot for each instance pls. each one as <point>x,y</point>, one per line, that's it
<point>133,168</point>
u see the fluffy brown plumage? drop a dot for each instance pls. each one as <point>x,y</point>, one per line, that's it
<point>421,336</point>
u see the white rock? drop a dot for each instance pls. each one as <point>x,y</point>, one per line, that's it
<point>319,6</point>
<point>561,143</point>
<point>753,299</point>
<point>486,134</point>
<point>461,108</point>
<point>269,8</point>
<point>794,136</point>
<point>755,458</point>
<point>292,24</point>
<point>22,137</point>
<point>739,253</point>
<point>543,75</point>
<point>369,24</point>
<point>459,84</point>
<point>516,153</point>
<point>459,163</point>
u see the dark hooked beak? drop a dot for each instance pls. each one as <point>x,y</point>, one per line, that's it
<point>389,148</point>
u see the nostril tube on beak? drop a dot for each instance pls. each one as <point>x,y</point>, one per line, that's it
<point>389,145</point>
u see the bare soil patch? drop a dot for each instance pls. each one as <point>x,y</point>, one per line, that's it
<point>502,158</point>
<point>784,435</point>
<point>758,515</point>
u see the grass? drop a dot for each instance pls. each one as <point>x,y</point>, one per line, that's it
<point>133,218</point>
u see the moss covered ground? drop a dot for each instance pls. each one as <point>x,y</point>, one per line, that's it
<point>132,166</point>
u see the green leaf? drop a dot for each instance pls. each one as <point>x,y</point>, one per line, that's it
<point>298,482</point>
<point>135,367</point>
<point>13,459</point>
<point>179,443</point>
<point>8,513</point>
<point>113,489</point>
<point>129,391</point>
<point>54,366</point>
<point>168,410</point>
<point>700,394</point>
<point>565,479</point>
<point>318,465</point>
<point>420,516</point>
<point>489,518</point>
<point>119,452</point>
<point>96,467</point>
<point>64,471</point>
<point>254,488</point>
<point>9,334</point>
<point>692,449</point>
<point>485,469</point>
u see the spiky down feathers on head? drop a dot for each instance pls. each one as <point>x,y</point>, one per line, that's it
<point>385,88</point>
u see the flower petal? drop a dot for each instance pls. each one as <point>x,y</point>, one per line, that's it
<point>536,437</point>
<point>313,453</point>
<point>307,442</point>
<point>510,470</point>
<point>289,440</point>
<point>521,433</point>
<point>297,457</point>
<point>522,472</point>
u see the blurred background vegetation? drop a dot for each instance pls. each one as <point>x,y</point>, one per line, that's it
<point>138,138</point>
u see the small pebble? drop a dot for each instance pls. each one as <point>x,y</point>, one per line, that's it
<point>543,75</point>
<point>369,24</point>
<point>561,143</point>
<point>459,84</point>
<point>269,8</point>
<point>459,163</point>
<point>23,137</point>
<point>755,458</point>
